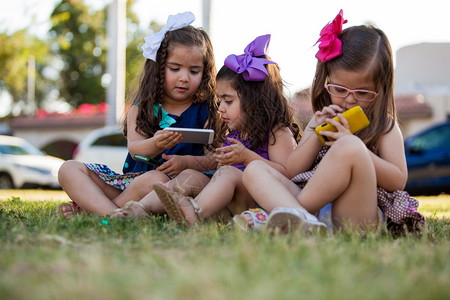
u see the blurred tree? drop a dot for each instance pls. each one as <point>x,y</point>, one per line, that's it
<point>79,40</point>
<point>134,58</point>
<point>14,54</point>
<point>79,36</point>
<point>73,59</point>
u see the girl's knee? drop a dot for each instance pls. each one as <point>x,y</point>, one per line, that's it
<point>255,167</point>
<point>70,167</point>
<point>230,172</point>
<point>151,177</point>
<point>253,171</point>
<point>187,173</point>
<point>349,146</point>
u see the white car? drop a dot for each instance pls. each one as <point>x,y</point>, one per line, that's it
<point>106,146</point>
<point>23,165</point>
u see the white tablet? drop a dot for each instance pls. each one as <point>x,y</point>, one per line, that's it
<point>194,135</point>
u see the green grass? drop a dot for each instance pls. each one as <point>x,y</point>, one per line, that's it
<point>45,257</point>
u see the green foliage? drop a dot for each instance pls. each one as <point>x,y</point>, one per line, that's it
<point>15,51</point>
<point>76,41</point>
<point>134,58</point>
<point>90,257</point>
<point>79,40</point>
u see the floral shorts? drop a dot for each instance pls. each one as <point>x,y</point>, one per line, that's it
<point>119,181</point>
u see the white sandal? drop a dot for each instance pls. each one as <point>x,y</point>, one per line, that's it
<point>259,217</point>
<point>284,220</point>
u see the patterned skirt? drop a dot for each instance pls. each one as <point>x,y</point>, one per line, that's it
<point>119,181</point>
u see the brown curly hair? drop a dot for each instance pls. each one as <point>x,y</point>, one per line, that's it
<point>263,104</point>
<point>151,83</point>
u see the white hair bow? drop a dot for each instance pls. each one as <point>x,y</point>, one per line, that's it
<point>174,22</point>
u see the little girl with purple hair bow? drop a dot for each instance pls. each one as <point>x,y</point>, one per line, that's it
<point>260,127</point>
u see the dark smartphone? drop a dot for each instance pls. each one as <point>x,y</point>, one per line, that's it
<point>147,160</point>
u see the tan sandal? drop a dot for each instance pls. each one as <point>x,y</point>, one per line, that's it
<point>131,209</point>
<point>169,200</point>
<point>74,209</point>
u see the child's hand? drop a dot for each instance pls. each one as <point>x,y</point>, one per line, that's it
<point>167,139</point>
<point>232,154</point>
<point>343,128</point>
<point>327,112</point>
<point>173,165</point>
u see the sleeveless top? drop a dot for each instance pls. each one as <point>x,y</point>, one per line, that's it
<point>263,151</point>
<point>193,117</point>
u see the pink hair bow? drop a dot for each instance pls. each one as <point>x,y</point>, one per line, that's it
<point>330,46</point>
<point>251,67</point>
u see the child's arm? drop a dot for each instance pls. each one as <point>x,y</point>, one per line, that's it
<point>151,147</point>
<point>302,158</point>
<point>278,152</point>
<point>390,166</point>
<point>174,164</point>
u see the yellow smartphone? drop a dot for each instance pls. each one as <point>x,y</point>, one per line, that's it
<point>356,118</point>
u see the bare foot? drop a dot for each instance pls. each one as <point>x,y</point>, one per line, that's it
<point>68,210</point>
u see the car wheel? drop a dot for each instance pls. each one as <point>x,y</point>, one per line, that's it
<point>6,181</point>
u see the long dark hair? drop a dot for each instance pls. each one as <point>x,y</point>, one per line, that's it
<point>151,84</point>
<point>263,104</point>
<point>364,48</point>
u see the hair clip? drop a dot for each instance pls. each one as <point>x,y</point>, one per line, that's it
<point>174,22</point>
<point>330,45</point>
<point>249,65</point>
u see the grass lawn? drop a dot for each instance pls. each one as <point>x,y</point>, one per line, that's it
<point>89,257</point>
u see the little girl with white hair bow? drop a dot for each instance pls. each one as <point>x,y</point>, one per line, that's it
<point>176,88</point>
<point>261,128</point>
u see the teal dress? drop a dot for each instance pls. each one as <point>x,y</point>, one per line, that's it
<point>193,117</point>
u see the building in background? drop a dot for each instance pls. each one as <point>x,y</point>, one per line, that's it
<point>422,73</point>
<point>421,88</point>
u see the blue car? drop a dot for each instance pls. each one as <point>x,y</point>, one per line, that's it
<point>428,158</point>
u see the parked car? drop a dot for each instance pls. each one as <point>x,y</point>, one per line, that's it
<point>23,165</point>
<point>106,146</point>
<point>428,158</point>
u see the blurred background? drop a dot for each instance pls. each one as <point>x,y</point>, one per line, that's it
<point>66,66</point>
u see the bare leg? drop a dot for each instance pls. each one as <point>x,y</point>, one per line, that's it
<point>224,195</point>
<point>191,181</point>
<point>346,176</point>
<point>140,187</point>
<point>85,188</point>
<point>269,187</point>
<point>225,190</point>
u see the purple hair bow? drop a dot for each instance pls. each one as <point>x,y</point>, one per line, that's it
<point>330,46</point>
<point>251,67</point>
